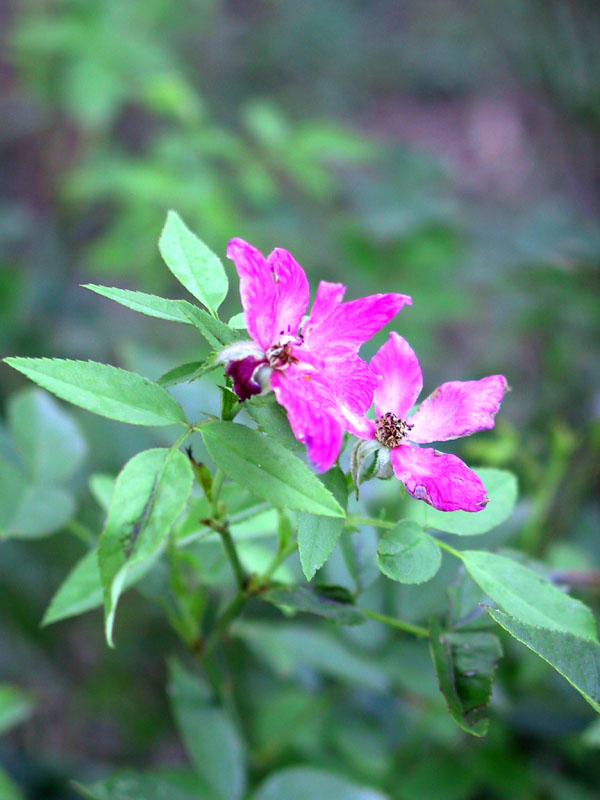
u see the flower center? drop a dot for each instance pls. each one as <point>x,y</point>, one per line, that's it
<point>280,355</point>
<point>391,430</point>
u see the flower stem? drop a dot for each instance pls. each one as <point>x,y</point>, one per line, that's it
<point>376,523</point>
<point>399,624</point>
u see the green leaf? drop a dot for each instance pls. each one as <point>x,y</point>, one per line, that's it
<point>184,373</point>
<point>148,304</point>
<point>15,706</point>
<point>525,595</point>
<point>267,469</point>
<point>192,263</point>
<point>150,494</point>
<point>163,784</point>
<point>238,321</point>
<point>8,788</point>
<point>272,420</point>
<point>591,735</point>
<point>317,535</point>
<point>502,490</point>
<point>102,487</point>
<point>50,443</point>
<point>576,659</point>
<point>216,333</point>
<point>211,740</point>
<point>302,783</point>
<point>407,554</point>
<point>465,664</point>
<point>317,600</point>
<point>109,391</point>
<point>28,511</point>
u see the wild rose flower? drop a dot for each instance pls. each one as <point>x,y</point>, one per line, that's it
<point>455,409</point>
<point>313,368</point>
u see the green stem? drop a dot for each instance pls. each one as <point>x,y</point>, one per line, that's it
<point>277,561</point>
<point>398,624</point>
<point>181,439</point>
<point>222,624</point>
<point>376,523</point>
<point>217,485</point>
<point>81,531</point>
<point>232,555</point>
<point>448,548</point>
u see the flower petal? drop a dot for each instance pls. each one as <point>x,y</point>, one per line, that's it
<point>328,296</point>
<point>440,479</point>
<point>274,291</point>
<point>311,414</point>
<point>353,384</point>
<point>458,408</point>
<point>292,291</point>
<point>242,374</point>
<point>350,324</point>
<point>401,377</point>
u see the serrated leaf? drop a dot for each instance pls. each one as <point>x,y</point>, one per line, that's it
<point>465,664</point>
<point>49,441</point>
<point>317,535</point>
<point>16,706</point>
<point>149,304</point>
<point>407,554</point>
<point>525,595</point>
<point>272,420</point>
<point>150,494</point>
<point>502,490</point>
<point>184,373</point>
<point>193,263</point>
<point>103,389</point>
<point>210,737</point>
<point>576,659</point>
<point>302,783</point>
<point>315,600</point>
<point>216,333</point>
<point>267,469</point>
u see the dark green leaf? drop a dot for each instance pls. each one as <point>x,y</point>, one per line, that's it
<point>527,596</point>
<point>148,304</point>
<point>267,469</point>
<point>465,664</point>
<point>183,373</point>
<point>193,263</point>
<point>216,333</point>
<point>211,740</point>
<point>307,783</point>
<point>105,390</point>
<point>576,659</point>
<point>407,554</point>
<point>150,494</point>
<point>317,535</point>
<point>315,600</point>
<point>158,785</point>
<point>272,420</point>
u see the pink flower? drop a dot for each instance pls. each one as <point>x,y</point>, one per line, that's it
<point>313,368</point>
<point>455,409</point>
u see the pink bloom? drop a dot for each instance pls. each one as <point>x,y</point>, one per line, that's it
<point>313,368</point>
<point>455,409</point>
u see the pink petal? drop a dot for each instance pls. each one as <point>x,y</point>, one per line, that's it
<point>274,291</point>
<point>350,324</point>
<point>328,296</point>
<point>401,376</point>
<point>458,408</point>
<point>441,480</point>
<point>292,291</point>
<point>311,414</point>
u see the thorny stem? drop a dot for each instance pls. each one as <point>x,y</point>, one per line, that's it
<point>399,624</point>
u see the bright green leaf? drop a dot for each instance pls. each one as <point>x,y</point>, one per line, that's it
<point>267,469</point>
<point>8,788</point>
<point>502,490</point>
<point>184,373</point>
<point>192,263</point>
<point>317,535</point>
<point>407,554</point>
<point>216,333</point>
<point>465,664</point>
<point>525,595</point>
<point>576,659</point>
<point>150,494</point>
<point>15,706</point>
<point>211,740</point>
<point>50,443</point>
<point>148,304</point>
<point>103,389</point>
<point>302,783</point>
<point>238,321</point>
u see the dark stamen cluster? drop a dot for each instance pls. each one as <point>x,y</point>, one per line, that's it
<point>391,430</point>
<point>280,356</point>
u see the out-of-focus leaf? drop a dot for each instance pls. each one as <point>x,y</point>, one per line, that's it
<point>502,490</point>
<point>576,659</point>
<point>302,783</point>
<point>359,551</point>
<point>591,735</point>
<point>267,469</point>
<point>465,664</point>
<point>525,595</point>
<point>193,263</point>
<point>150,494</point>
<point>148,304</point>
<point>317,535</point>
<point>164,784</point>
<point>8,788</point>
<point>15,706</point>
<point>210,737</point>
<point>102,487</point>
<point>407,554</point>
<point>315,600</point>
<point>103,389</point>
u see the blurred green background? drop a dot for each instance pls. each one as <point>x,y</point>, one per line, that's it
<point>448,150</point>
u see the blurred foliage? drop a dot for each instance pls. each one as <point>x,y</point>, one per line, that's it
<point>447,150</point>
